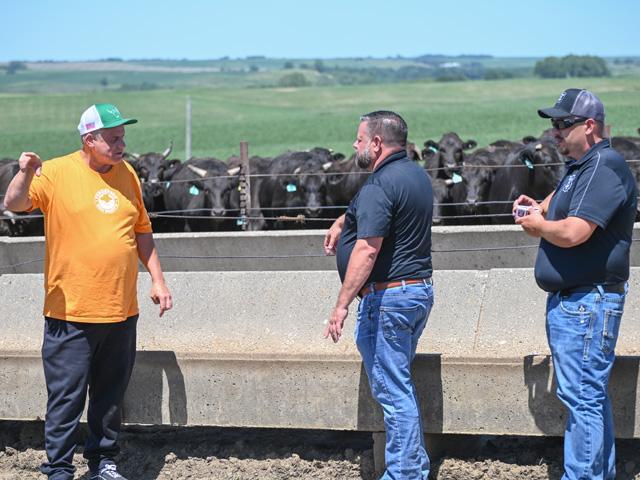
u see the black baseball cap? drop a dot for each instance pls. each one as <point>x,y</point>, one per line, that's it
<point>575,102</point>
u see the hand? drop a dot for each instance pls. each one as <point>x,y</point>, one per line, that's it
<point>30,160</point>
<point>336,322</point>
<point>331,238</point>
<point>532,223</point>
<point>527,201</point>
<point>160,295</point>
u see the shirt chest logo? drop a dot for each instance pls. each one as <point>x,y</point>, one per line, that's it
<point>106,200</point>
<point>569,183</point>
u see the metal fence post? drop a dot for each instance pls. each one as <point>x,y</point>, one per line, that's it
<point>245,186</point>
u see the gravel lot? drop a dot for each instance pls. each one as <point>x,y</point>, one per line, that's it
<point>265,454</point>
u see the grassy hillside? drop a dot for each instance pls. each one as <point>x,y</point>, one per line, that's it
<point>276,119</point>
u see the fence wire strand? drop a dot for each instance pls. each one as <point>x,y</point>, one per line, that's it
<point>305,255</point>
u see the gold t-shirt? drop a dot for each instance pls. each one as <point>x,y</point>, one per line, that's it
<point>90,221</point>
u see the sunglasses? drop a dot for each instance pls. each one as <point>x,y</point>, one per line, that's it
<point>567,122</point>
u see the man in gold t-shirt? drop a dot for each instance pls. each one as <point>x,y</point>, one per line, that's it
<point>96,228</point>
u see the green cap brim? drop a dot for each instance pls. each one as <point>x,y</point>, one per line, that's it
<point>124,121</point>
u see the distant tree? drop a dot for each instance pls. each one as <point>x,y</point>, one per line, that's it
<point>550,67</point>
<point>572,66</point>
<point>498,74</point>
<point>104,81</point>
<point>318,65</point>
<point>295,79</point>
<point>13,66</point>
<point>288,65</point>
<point>253,68</point>
<point>304,66</point>
<point>451,77</point>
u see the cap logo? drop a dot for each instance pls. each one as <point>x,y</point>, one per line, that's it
<point>113,111</point>
<point>90,125</point>
<point>561,97</point>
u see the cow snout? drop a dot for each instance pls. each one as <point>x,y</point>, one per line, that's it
<point>217,212</point>
<point>313,211</point>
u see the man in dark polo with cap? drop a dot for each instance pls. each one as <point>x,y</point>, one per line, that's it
<point>384,257</point>
<point>585,227</point>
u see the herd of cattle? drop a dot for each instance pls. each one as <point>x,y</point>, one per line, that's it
<point>311,188</point>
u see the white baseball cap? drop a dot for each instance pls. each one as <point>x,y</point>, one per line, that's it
<point>102,115</point>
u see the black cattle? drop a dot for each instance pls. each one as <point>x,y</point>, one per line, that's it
<point>296,187</point>
<point>16,224</point>
<point>478,174</point>
<point>634,140</point>
<point>344,179</point>
<point>153,170</point>
<point>258,167</point>
<point>446,157</point>
<point>447,199</point>
<point>629,148</point>
<point>413,152</point>
<point>201,187</point>
<point>536,169</point>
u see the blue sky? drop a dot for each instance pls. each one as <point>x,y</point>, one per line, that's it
<point>199,29</point>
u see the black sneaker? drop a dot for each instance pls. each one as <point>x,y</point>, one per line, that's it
<point>107,472</point>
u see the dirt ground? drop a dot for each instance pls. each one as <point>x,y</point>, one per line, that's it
<point>265,454</point>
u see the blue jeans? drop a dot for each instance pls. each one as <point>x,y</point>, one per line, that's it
<point>389,325</point>
<point>582,329</point>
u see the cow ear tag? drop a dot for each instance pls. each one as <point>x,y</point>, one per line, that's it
<point>291,187</point>
<point>167,184</point>
<point>194,190</point>
<point>240,222</point>
<point>529,164</point>
<point>433,149</point>
<point>457,178</point>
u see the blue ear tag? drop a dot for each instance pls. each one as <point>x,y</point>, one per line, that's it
<point>291,187</point>
<point>433,149</point>
<point>194,190</point>
<point>529,164</point>
<point>457,178</point>
<point>167,184</point>
<point>240,222</point>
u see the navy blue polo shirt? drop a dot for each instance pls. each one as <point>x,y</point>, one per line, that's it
<point>599,188</point>
<point>396,202</point>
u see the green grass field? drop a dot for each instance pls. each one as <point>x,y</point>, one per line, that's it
<point>274,120</point>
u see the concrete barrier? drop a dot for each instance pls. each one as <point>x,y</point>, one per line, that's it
<point>245,349</point>
<point>455,248</point>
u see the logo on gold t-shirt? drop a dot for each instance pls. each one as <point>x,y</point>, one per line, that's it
<point>106,200</point>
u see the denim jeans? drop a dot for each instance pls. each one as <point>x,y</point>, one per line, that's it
<point>582,329</point>
<point>389,325</point>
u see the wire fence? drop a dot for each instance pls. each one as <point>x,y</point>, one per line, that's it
<point>288,256</point>
<point>306,255</point>
<point>350,173</point>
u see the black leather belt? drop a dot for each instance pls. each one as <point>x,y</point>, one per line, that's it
<point>615,288</point>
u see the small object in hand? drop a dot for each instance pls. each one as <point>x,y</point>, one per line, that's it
<point>522,210</point>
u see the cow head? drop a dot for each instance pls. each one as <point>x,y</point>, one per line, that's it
<point>543,163</point>
<point>447,154</point>
<point>153,169</point>
<point>210,187</point>
<point>307,189</point>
